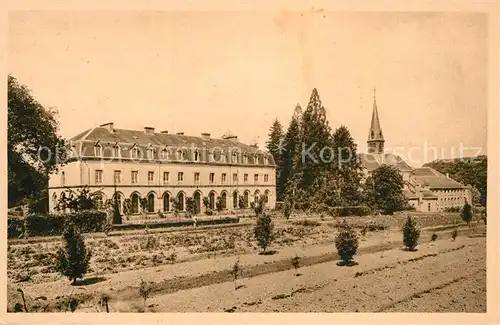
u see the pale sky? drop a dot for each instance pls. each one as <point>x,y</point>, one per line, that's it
<point>212,72</point>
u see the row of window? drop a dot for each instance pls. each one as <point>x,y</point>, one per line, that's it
<point>166,177</point>
<point>182,155</point>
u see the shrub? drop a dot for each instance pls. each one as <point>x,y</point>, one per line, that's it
<point>15,227</point>
<point>454,234</point>
<point>410,234</point>
<point>144,290</point>
<point>346,243</point>
<point>466,213</point>
<point>235,271</point>
<point>434,237</point>
<point>295,261</point>
<point>306,223</point>
<point>73,260</point>
<point>263,231</point>
<point>348,211</point>
<point>54,224</point>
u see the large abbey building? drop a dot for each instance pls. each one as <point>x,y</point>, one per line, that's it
<point>158,166</point>
<point>425,188</point>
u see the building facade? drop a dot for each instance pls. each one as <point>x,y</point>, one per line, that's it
<point>426,189</point>
<point>164,168</point>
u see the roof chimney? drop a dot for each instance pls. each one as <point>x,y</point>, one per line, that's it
<point>149,130</point>
<point>108,126</point>
<point>231,137</point>
<point>180,133</point>
<point>205,136</point>
<point>164,132</point>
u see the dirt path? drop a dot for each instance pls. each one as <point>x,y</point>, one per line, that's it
<point>441,276</point>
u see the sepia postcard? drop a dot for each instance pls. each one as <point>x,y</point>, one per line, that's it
<point>251,163</point>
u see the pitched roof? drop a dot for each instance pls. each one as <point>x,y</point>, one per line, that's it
<point>372,161</point>
<point>127,140</point>
<point>434,179</point>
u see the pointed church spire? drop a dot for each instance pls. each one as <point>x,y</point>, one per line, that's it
<point>375,136</point>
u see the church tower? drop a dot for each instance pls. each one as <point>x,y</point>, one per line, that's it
<point>375,136</point>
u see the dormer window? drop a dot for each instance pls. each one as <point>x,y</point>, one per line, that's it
<point>223,157</point>
<point>116,150</point>
<point>136,153</point>
<point>150,152</point>
<point>179,154</point>
<point>266,159</point>
<point>164,154</point>
<point>210,156</point>
<point>98,149</point>
<point>245,158</point>
<point>235,157</point>
<point>196,155</point>
<point>256,159</point>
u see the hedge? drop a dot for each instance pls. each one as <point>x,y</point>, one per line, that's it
<point>350,211</point>
<point>183,223</point>
<point>53,224</point>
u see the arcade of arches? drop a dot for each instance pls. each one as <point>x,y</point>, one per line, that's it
<point>152,203</point>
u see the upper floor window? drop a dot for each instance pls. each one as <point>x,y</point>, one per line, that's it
<point>256,178</point>
<point>196,177</point>
<point>245,178</point>
<point>266,178</point>
<point>166,176</point>
<point>211,178</point>
<point>135,177</point>
<point>151,176</point>
<point>118,176</point>
<point>223,178</point>
<point>180,177</point>
<point>63,179</point>
<point>136,153</point>
<point>98,150</point>
<point>164,154</point>
<point>235,157</point>
<point>235,177</point>
<point>116,151</point>
<point>150,152</point>
<point>98,176</point>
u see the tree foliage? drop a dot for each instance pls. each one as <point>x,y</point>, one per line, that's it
<point>316,142</point>
<point>291,153</point>
<point>410,234</point>
<point>264,231</point>
<point>73,260</point>
<point>466,213</point>
<point>346,242</point>
<point>30,128</point>
<point>387,189</point>
<point>274,144</point>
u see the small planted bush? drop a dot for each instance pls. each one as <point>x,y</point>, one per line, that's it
<point>346,243</point>
<point>235,271</point>
<point>73,260</point>
<point>295,261</point>
<point>410,234</point>
<point>264,231</point>
<point>144,290</point>
<point>434,237</point>
<point>454,234</point>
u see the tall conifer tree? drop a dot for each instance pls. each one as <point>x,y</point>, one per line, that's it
<point>274,146</point>
<point>315,142</point>
<point>291,148</point>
